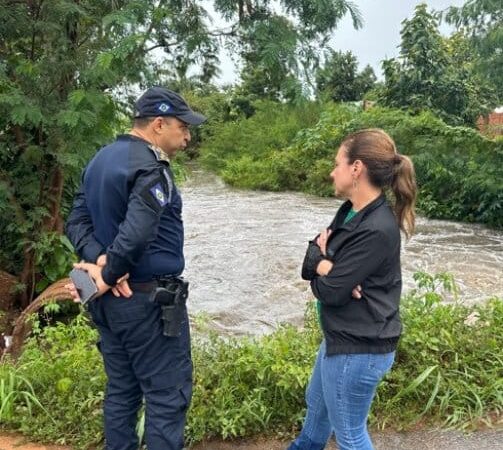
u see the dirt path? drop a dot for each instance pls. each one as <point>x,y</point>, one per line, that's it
<point>417,440</point>
<point>18,442</point>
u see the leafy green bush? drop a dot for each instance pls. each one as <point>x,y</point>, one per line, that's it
<point>459,171</point>
<point>270,129</point>
<point>64,369</point>
<point>448,365</point>
<point>447,371</point>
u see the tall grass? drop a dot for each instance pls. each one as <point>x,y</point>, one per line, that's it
<point>448,372</point>
<point>16,393</point>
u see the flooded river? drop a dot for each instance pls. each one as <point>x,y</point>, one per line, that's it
<point>244,250</point>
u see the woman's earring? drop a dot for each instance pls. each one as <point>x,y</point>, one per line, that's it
<point>355,183</point>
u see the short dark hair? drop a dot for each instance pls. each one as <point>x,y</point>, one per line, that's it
<point>142,122</point>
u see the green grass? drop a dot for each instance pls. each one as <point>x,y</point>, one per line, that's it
<point>448,372</point>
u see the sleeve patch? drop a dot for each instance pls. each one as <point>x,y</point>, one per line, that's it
<point>158,193</point>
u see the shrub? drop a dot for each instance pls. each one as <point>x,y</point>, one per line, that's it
<point>459,171</point>
<point>447,372</point>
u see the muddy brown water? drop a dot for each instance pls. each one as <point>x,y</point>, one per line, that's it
<point>244,251</point>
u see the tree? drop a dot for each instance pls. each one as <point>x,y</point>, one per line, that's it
<point>279,41</point>
<point>482,21</point>
<point>430,74</point>
<point>69,71</point>
<point>66,71</point>
<point>339,78</point>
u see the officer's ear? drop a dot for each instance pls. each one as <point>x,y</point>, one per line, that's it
<point>157,124</point>
<point>160,122</point>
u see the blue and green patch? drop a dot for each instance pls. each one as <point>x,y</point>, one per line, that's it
<point>158,193</point>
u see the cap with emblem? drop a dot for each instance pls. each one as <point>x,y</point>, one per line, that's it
<point>158,101</point>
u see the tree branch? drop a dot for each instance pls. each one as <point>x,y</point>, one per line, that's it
<point>216,33</point>
<point>37,15</point>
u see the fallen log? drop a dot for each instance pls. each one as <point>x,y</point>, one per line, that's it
<point>22,327</point>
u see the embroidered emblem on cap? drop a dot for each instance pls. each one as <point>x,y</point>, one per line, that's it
<point>159,194</point>
<point>164,107</point>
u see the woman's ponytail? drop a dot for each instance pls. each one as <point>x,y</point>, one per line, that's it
<point>404,187</point>
<point>386,168</point>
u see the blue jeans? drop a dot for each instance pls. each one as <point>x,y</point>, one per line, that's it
<point>338,399</point>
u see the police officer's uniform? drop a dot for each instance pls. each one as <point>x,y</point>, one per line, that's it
<point>129,208</point>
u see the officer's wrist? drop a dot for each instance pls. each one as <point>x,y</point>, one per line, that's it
<point>110,278</point>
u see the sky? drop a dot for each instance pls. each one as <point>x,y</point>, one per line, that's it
<point>378,39</point>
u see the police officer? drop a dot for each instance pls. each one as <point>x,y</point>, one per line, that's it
<point>126,223</point>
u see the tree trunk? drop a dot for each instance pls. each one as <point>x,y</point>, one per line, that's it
<point>8,312</point>
<point>54,222</point>
<point>27,276</point>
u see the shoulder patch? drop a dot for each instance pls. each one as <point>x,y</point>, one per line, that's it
<point>159,195</point>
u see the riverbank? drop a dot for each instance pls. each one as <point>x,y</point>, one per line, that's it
<point>454,163</point>
<point>254,386</point>
<point>426,440</point>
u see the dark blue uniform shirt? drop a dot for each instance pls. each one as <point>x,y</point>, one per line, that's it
<point>129,208</point>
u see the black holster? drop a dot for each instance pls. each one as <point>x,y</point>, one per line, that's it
<point>171,295</point>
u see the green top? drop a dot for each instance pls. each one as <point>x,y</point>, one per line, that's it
<point>351,213</point>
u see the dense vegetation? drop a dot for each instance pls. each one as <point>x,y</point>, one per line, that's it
<point>69,72</point>
<point>436,74</point>
<point>296,156</point>
<point>252,386</point>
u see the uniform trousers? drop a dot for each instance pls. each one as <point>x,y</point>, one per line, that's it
<point>142,363</point>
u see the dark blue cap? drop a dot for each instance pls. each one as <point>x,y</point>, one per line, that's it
<point>158,101</point>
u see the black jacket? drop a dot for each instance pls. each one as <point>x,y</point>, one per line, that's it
<point>365,251</point>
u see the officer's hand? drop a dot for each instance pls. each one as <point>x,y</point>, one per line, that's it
<point>122,287</point>
<point>95,272</point>
<point>73,292</point>
<point>101,261</point>
<point>357,292</point>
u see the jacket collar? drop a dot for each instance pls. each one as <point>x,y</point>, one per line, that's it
<point>159,154</point>
<point>356,220</point>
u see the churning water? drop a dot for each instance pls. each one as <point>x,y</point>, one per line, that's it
<point>244,251</point>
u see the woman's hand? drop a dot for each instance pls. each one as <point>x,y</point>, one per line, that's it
<point>357,292</point>
<point>324,267</point>
<point>322,240</point>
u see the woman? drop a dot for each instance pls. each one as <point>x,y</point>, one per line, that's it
<point>354,268</point>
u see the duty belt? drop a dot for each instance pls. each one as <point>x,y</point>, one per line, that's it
<point>170,293</point>
<point>149,286</point>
